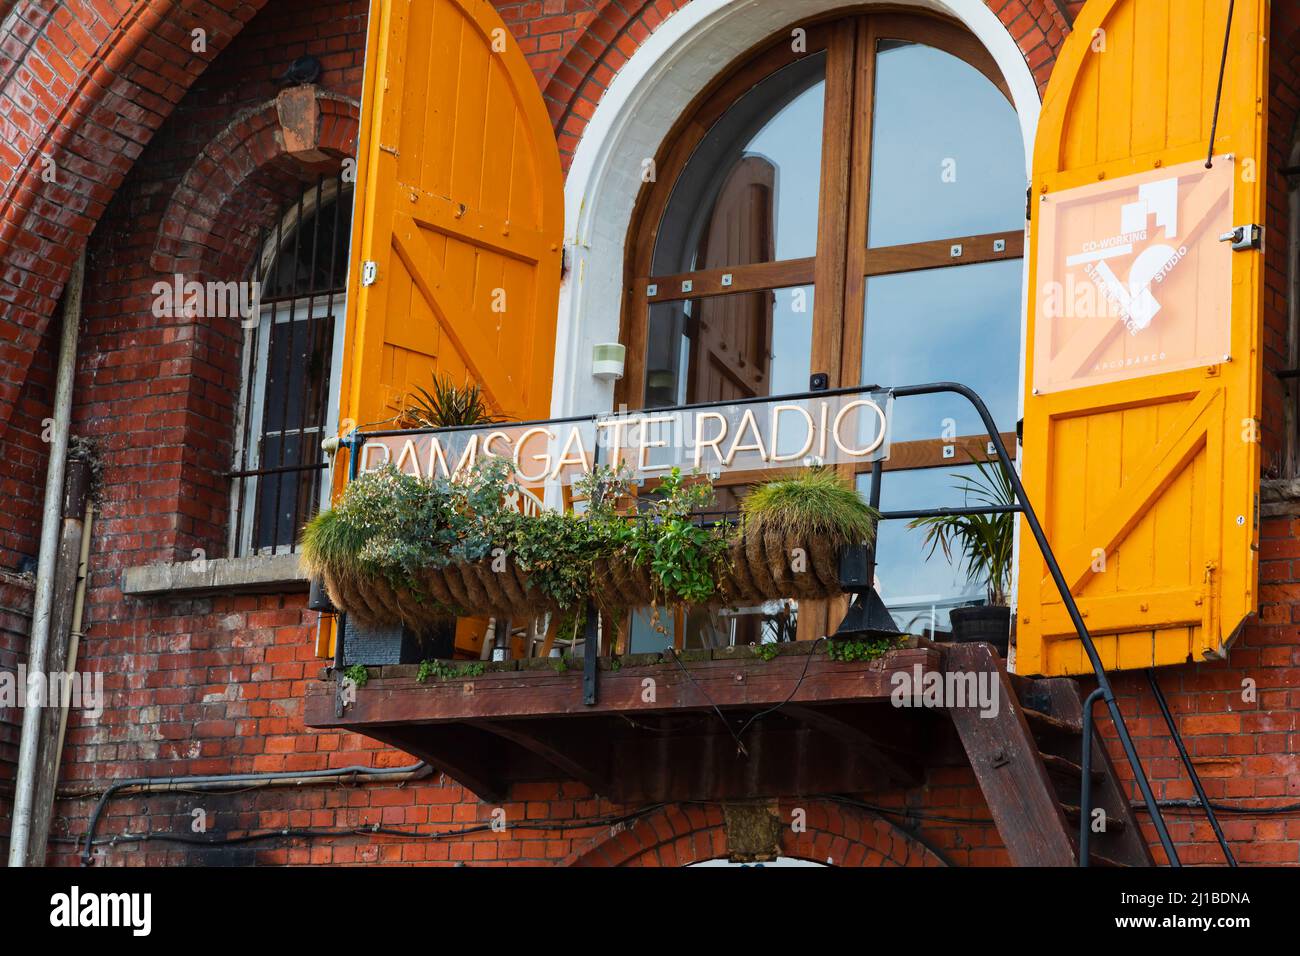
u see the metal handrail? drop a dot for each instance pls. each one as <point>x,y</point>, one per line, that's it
<point>1190,767</point>
<point>1085,785</point>
<point>1104,688</point>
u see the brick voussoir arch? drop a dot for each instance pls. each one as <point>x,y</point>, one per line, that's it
<point>108,77</point>
<point>301,127</point>
<point>619,27</point>
<point>833,832</point>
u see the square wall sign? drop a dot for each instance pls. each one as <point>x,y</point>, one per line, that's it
<point>1133,279</point>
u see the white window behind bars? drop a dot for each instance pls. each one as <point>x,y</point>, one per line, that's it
<point>291,361</point>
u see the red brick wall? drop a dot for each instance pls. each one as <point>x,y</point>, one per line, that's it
<point>202,686</point>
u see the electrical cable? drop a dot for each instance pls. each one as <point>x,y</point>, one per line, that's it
<point>374,830</point>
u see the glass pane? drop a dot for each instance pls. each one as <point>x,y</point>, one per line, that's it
<point>749,191</point>
<point>645,637</point>
<point>947,158</point>
<point>314,257</point>
<point>919,592</point>
<point>729,346</point>
<point>959,324</point>
<point>298,368</point>
<point>285,500</point>
<point>773,622</point>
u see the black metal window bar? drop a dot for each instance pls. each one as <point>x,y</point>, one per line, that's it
<point>291,365</point>
<point>1104,692</point>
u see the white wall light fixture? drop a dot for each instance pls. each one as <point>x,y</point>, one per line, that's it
<point>608,360</point>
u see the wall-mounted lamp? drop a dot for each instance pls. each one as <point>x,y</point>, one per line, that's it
<point>608,360</point>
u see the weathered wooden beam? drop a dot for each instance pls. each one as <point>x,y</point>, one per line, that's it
<point>662,688</point>
<point>892,764</point>
<point>459,752</point>
<point>67,573</point>
<point>708,764</point>
<point>581,759</point>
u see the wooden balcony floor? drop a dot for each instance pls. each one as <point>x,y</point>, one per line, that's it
<point>709,725</point>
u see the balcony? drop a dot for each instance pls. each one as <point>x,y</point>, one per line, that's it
<point>688,725</point>
<point>866,709</point>
<point>730,724</point>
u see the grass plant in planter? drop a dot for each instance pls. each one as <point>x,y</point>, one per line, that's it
<point>791,535</point>
<point>985,544</point>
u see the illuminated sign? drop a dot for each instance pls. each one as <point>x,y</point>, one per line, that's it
<point>1132,278</point>
<point>710,439</point>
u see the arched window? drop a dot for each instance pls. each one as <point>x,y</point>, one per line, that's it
<point>292,356</point>
<point>850,200</point>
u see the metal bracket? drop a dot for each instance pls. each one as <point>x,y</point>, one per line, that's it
<point>590,653</point>
<point>1244,238</point>
<point>369,272</point>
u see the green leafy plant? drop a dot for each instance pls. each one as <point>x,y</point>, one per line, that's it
<point>448,405</point>
<point>394,524</point>
<point>813,505</point>
<point>358,674</point>
<point>865,650</point>
<point>984,542</point>
<point>683,553</point>
<point>445,670</point>
<point>409,531</point>
<point>766,651</point>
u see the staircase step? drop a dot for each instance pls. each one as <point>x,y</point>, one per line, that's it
<point>1039,721</point>
<point>1114,824</point>
<point>1068,768</point>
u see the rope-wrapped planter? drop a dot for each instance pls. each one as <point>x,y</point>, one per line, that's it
<point>757,567</point>
<point>786,545</point>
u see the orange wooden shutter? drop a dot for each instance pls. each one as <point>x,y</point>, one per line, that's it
<point>1141,450</point>
<point>460,209</point>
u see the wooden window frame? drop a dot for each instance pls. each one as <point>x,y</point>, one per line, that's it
<point>840,268</point>
<point>843,260</point>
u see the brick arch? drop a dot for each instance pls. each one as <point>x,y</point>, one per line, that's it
<point>681,834</point>
<point>232,186</point>
<point>85,85</point>
<point>617,29</point>
<point>236,185</point>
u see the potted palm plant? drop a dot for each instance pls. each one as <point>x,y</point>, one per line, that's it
<point>985,543</point>
<point>448,405</point>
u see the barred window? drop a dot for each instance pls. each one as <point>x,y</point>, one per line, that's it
<point>292,358</point>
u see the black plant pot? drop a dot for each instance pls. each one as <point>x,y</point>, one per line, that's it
<point>984,623</point>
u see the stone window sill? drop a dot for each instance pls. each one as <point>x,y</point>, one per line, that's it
<point>260,574</point>
<point>1279,497</point>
